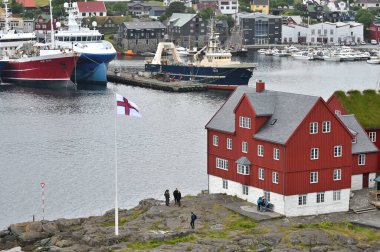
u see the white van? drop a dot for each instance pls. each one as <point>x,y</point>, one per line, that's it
<point>373,42</point>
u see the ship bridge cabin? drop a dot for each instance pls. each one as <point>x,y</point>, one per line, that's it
<point>291,148</point>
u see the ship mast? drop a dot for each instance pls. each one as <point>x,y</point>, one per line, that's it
<point>7,28</point>
<point>51,26</point>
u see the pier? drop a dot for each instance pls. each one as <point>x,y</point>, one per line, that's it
<point>139,80</point>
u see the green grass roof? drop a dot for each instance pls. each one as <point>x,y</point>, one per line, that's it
<point>40,3</point>
<point>364,105</point>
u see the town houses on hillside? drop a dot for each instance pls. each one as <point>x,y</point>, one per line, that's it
<point>291,148</point>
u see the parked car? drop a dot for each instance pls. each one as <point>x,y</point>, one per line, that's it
<point>373,42</point>
<point>363,43</point>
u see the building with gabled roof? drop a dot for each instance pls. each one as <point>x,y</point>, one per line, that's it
<point>366,108</point>
<point>141,36</point>
<point>89,9</point>
<point>187,29</point>
<point>290,148</point>
<point>368,4</point>
<point>260,6</point>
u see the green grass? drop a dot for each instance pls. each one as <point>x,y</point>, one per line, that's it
<point>365,105</point>
<point>155,243</point>
<point>42,3</point>
<point>346,228</point>
<point>134,215</point>
<point>238,222</point>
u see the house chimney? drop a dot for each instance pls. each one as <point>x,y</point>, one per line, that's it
<point>260,86</point>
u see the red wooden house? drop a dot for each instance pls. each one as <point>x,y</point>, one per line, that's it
<point>291,148</point>
<point>365,155</point>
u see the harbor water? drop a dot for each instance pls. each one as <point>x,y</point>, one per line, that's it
<point>66,138</point>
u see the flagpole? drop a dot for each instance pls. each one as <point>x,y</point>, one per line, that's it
<point>116,207</point>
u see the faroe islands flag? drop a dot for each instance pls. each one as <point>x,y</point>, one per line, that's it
<point>126,107</point>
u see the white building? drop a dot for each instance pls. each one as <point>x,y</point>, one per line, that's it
<point>323,33</point>
<point>293,34</point>
<point>90,9</point>
<point>365,4</point>
<point>228,7</point>
<point>187,3</point>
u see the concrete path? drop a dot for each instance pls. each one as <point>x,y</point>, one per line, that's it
<point>250,210</point>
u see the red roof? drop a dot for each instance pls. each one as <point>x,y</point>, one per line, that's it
<point>27,3</point>
<point>91,6</point>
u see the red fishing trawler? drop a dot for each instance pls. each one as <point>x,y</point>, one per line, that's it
<point>43,70</point>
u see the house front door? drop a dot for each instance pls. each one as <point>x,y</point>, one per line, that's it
<point>365,180</point>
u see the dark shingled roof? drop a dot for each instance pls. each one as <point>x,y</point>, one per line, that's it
<point>243,161</point>
<point>363,144</point>
<point>286,109</point>
<point>144,25</point>
<point>261,2</point>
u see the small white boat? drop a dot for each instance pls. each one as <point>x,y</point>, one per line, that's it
<point>281,53</point>
<point>262,51</point>
<point>303,55</point>
<point>374,60</point>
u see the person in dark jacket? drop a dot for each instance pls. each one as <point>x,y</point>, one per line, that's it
<point>167,197</point>
<point>175,194</point>
<point>193,218</point>
<point>179,198</point>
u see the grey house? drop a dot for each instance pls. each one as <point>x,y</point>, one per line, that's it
<point>141,36</point>
<point>140,9</point>
<point>258,28</point>
<point>187,30</point>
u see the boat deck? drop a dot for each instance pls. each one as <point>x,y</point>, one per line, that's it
<point>134,79</point>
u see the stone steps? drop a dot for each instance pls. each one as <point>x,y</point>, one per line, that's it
<point>364,210</point>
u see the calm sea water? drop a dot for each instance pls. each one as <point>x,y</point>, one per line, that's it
<point>66,138</point>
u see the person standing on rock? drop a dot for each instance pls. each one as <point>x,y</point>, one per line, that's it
<point>175,194</point>
<point>167,197</point>
<point>179,198</point>
<point>193,218</point>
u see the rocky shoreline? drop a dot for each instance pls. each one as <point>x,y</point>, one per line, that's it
<point>152,226</point>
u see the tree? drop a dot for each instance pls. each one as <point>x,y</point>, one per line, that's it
<point>292,13</point>
<point>206,13</point>
<point>117,8</point>
<point>175,7</point>
<point>230,20</point>
<point>16,7</point>
<point>365,17</point>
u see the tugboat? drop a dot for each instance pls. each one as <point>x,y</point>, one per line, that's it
<point>215,68</point>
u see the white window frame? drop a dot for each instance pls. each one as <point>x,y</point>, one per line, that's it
<point>261,174</point>
<point>244,122</point>
<point>354,139</point>
<point>243,169</point>
<point>267,195</point>
<point>313,129</point>
<point>314,153</point>
<point>337,175</point>
<point>338,112</point>
<point>215,140</point>
<point>302,199</point>
<point>222,164</point>
<point>260,150</point>
<point>326,127</point>
<point>320,197</point>
<point>336,195</point>
<point>245,189</point>
<point>229,143</point>
<point>338,151</point>
<point>372,136</point>
<point>313,177</point>
<point>275,177</point>
<point>225,184</point>
<point>276,154</point>
<point>244,147</point>
<point>361,159</point>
